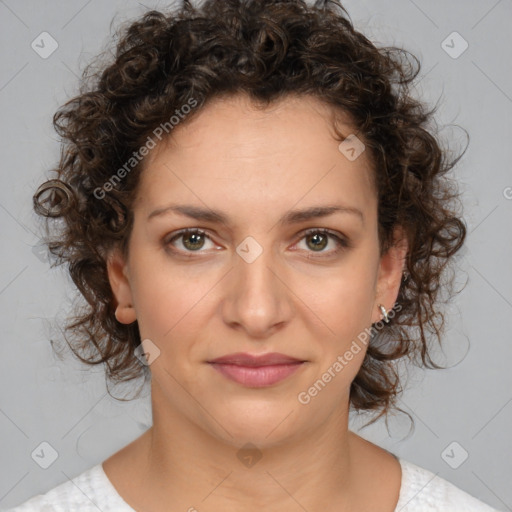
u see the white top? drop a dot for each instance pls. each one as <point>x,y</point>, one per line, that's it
<point>90,491</point>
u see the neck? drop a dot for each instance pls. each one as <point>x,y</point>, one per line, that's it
<point>185,465</point>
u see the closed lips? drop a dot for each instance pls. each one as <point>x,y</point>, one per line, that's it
<point>256,371</point>
<point>245,359</point>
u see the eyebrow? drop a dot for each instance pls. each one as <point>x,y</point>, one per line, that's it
<point>291,217</point>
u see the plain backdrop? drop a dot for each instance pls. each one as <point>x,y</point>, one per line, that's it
<point>464,412</point>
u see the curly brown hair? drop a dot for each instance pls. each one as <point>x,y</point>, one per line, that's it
<point>266,49</point>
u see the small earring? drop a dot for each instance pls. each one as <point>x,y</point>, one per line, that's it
<point>384,313</point>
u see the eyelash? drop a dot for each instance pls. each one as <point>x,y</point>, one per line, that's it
<point>342,242</point>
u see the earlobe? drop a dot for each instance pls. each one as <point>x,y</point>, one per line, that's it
<point>118,277</point>
<point>391,270</point>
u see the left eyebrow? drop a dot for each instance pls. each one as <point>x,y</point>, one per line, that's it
<point>314,212</point>
<point>291,217</point>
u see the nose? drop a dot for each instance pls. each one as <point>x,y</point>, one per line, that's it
<point>257,300</point>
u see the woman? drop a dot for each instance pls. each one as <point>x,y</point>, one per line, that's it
<point>257,215</point>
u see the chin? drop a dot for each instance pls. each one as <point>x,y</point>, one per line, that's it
<point>260,423</point>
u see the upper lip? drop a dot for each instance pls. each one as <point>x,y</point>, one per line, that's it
<point>245,359</point>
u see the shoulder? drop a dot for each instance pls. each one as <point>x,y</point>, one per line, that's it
<point>89,491</point>
<point>423,491</point>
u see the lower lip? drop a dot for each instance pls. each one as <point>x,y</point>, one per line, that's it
<point>257,376</point>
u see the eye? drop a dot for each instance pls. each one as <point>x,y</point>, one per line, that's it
<point>192,239</point>
<point>317,240</point>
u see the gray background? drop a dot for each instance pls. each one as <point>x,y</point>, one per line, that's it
<point>64,403</point>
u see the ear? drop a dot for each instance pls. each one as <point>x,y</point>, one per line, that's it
<point>118,277</point>
<point>391,269</point>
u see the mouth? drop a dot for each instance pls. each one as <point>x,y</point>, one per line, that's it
<point>256,371</point>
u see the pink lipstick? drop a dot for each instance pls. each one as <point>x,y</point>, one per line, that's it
<point>256,370</point>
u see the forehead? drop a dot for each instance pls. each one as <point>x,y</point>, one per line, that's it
<point>233,153</point>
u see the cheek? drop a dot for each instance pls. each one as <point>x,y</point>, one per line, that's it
<point>345,308</point>
<point>171,313</point>
<point>344,298</point>
<point>166,312</point>
<point>170,303</point>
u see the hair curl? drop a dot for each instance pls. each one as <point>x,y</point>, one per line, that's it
<point>267,49</point>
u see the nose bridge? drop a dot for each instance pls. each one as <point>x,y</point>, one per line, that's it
<point>253,265</point>
<point>257,299</point>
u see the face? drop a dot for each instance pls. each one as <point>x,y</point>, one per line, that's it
<point>263,279</point>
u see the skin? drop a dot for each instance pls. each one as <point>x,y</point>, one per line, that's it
<point>254,166</point>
